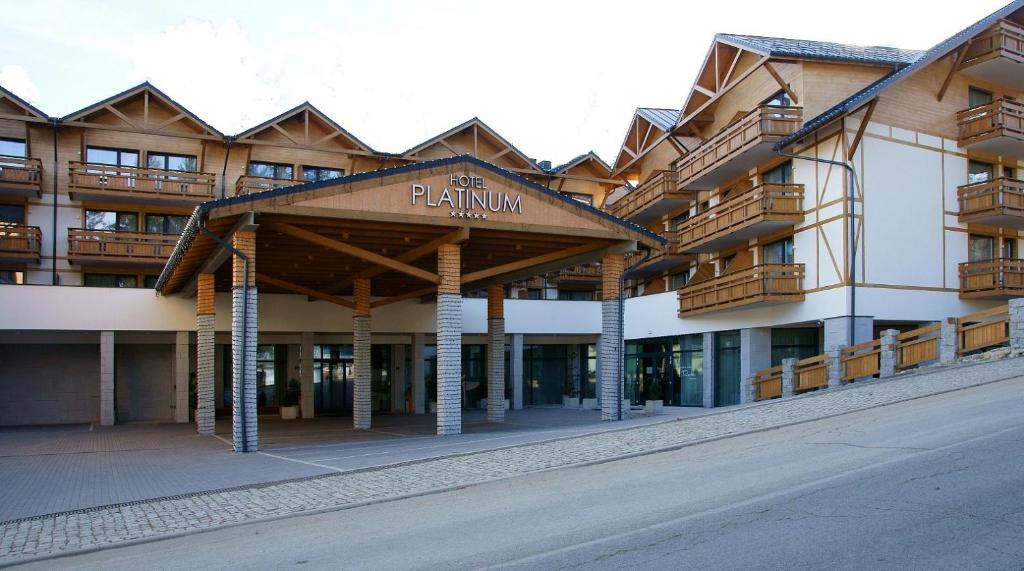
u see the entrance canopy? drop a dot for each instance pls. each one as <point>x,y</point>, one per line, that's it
<point>316,239</point>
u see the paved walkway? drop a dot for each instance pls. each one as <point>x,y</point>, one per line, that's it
<point>95,528</point>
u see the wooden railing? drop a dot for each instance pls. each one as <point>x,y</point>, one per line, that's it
<point>19,173</point>
<point>767,282</point>
<point>861,360</point>
<point>658,187</point>
<point>983,329</point>
<point>20,240</point>
<point>811,373</point>
<point>768,383</point>
<point>992,278</point>
<point>579,273</point>
<point>917,346</point>
<point>762,125</point>
<point>1005,39</point>
<point>1001,118</point>
<point>147,182</point>
<point>991,198</point>
<point>249,184</point>
<point>117,245</point>
<point>765,202</point>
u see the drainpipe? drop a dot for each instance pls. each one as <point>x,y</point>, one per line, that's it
<point>622,349</point>
<point>53,245</point>
<point>850,197</point>
<point>224,170</point>
<point>245,320</point>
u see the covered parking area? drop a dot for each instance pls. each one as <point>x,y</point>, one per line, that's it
<point>429,231</point>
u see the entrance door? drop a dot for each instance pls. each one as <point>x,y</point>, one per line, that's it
<point>657,379</point>
<point>727,368</point>
<point>332,379</point>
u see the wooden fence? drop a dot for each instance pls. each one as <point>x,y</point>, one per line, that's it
<point>917,346</point>
<point>983,329</point>
<point>861,360</point>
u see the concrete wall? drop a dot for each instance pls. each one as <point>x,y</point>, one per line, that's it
<point>47,384</point>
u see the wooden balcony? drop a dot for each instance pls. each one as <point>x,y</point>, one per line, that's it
<point>997,202</point>
<point>992,279</point>
<point>737,148</point>
<point>92,181</point>
<point>578,274</point>
<point>119,248</point>
<point>250,184</point>
<point>641,264</point>
<point>652,199</point>
<point>997,55</point>
<point>764,284</point>
<point>20,176</point>
<point>761,210</point>
<point>19,243</point>
<point>996,128</point>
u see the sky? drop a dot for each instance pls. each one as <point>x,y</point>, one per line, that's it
<point>555,78</point>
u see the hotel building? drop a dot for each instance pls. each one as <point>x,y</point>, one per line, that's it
<point>806,195</point>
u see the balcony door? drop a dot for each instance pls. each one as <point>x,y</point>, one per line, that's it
<point>980,248</point>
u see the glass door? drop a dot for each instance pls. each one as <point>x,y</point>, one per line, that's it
<point>727,368</point>
<point>332,379</point>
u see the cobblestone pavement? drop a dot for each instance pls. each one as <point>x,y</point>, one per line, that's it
<point>105,526</point>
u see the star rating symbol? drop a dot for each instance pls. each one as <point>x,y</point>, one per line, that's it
<point>469,215</point>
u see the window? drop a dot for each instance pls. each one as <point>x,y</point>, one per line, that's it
<point>1009,172</point>
<point>165,223</point>
<point>727,261</point>
<point>676,222</point>
<point>169,162</point>
<point>12,277</point>
<point>977,97</point>
<point>575,295</point>
<point>111,280</point>
<point>271,170</point>
<point>780,252</point>
<point>149,282</point>
<point>313,174</point>
<point>782,174</point>
<point>113,157</point>
<point>12,213</point>
<point>780,99</point>
<point>110,220</point>
<point>13,147</point>
<point>676,281</point>
<point>978,171</point>
<point>1009,248</point>
<point>266,367</point>
<point>794,343</point>
<point>578,197</point>
<point>980,248</point>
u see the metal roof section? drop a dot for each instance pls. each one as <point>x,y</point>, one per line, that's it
<point>664,119</point>
<point>829,51</point>
<point>865,95</point>
<point>589,155</point>
<point>144,86</point>
<point>306,105</point>
<point>190,231</point>
<point>31,109</point>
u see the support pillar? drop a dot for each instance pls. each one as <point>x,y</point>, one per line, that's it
<point>244,430</point>
<point>205,354</point>
<point>837,331</point>
<point>419,389</point>
<point>306,385</point>
<point>361,355</point>
<point>516,362</point>
<point>181,374</point>
<point>496,353</point>
<point>948,341</point>
<point>1016,325</point>
<point>755,354</point>
<point>708,385</point>
<point>398,378</point>
<point>449,340</point>
<point>887,358</point>
<point>788,377</point>
<point>834,366</point>
<point>107,402</point>
<point>611,337</point>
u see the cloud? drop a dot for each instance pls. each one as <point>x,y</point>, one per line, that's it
<point>16,79</point>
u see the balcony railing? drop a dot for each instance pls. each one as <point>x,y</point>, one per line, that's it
<point>997,55</point>
<point>19,242</point>
<point>996,127</point>
<point>135,184</point>
<point>1001,278</point>
<point>737,148</point>
<point>119,247</point>
<point>655,197</point>
<point>250,184</point>
<point>763,209</point>
<point>996,202</point>
<point>640,264</point>
<point>581,273</point>
<point>767,283</point>
<point>21,176</point>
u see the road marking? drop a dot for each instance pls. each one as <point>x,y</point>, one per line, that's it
<point>324,466</point>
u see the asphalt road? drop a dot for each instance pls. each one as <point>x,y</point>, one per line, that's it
<point>936,483</point>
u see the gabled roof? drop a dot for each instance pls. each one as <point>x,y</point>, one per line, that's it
<point>28,107</point>
<point>862,97</point>
<point>580,159</point>
<point>663,119</point>
<point>830,51</point>
<point>305,106</point>
<point>475,121</point>
<point>133,91</point>
<point>648,128</point>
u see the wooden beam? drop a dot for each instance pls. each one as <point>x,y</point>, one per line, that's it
<point>278,128</point>
<point>782,83</point>
<point>350,250</point>
<point>701,89</point>
<point>404,296</point>
<point>220,254</point>
<point>296,288</point>
<point>957,60</point>
<point>174,119</point>
<point>122,116</point>
<point>499,154</point>
<point>860,130</point>
<point>534,261</point>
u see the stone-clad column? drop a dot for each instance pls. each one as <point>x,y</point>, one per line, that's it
<point>245,437</point>
<point>888,359</point>
<point>205,354</point>
<point>306,364</point>
<point>107,401</point>
<point>496,353</point>
<point>948,341</point>
<point>361,355</point>
<point>181,362</point>
<point>1016,310</point>
<point>788,377</point>
<point>708,376</point>
<point>449,340</point>
<point>611,337</point>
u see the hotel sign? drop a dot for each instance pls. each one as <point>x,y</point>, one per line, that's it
<point>467,196</point>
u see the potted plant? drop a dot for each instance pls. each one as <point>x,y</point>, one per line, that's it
<point>570,395</point>
<point>290,410</point>
<point>654,404</point>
